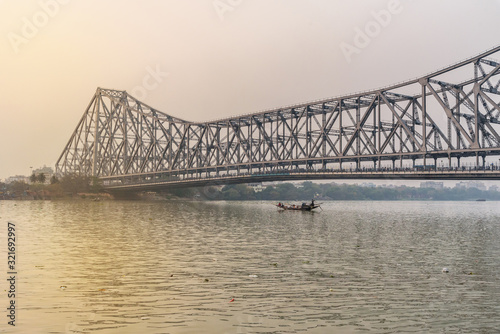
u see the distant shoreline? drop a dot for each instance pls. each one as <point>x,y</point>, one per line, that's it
<point>242,192</point>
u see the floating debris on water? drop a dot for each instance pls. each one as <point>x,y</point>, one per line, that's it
<point>445,270</point>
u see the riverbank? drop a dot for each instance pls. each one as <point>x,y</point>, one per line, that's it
<point>339,192</point>
<point>280,192</point>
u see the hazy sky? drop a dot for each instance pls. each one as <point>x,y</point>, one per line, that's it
<point>211,58</point>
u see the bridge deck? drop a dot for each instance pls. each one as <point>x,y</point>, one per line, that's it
<point>144,184</point>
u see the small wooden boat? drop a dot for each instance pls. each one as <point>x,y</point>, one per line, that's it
<point>302,207</point>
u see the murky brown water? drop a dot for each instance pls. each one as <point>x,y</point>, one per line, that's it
<point>138,267</point>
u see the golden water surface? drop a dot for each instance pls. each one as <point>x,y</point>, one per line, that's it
<point>243,267</point>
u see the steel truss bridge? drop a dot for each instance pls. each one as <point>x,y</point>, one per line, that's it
<point>421,129</point>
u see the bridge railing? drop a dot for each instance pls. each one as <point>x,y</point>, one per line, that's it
<point>431,172</point>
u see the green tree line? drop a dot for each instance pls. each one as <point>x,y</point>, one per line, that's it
<point>71,185</point>
<point>309,190</point>
<point>66,186</point>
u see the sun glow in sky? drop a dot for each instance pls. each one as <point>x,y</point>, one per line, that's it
<point>207,59</point>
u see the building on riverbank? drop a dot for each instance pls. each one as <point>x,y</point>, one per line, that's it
<point>47,171</point>
<point>471,184</point>
<point>17,178</point>
<point>432,184</point>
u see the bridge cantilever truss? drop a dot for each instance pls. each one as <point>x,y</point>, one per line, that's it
<point>447,115</point>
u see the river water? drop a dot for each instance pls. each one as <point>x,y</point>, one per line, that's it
<point>243,267</point>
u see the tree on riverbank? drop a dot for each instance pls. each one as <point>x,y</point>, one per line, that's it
<point>16,189</point>
<point>68,185</point>
<point>74,184</point>
<point>41,178</point>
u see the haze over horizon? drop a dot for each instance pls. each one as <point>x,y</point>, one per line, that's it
<point>209,59</point>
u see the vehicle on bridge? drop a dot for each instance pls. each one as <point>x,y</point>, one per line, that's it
<point>424,168</point>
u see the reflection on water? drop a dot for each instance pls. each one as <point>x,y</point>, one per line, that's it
<point>139,267</point>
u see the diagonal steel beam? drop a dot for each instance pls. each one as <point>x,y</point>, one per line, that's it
<point>401,122</point>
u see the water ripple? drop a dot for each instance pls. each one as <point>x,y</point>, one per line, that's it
<point>243,267</point>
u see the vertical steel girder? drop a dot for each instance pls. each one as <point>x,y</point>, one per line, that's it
<point>423,118</point>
